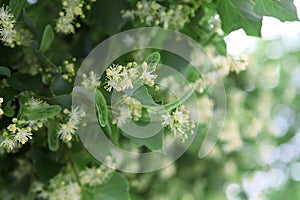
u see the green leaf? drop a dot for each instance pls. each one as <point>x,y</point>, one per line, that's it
<point>8,94</point>
<point>8,110</point>
<point>141,94</point>
<point>153,143</point>
<point>59,86</point>
<point>152,60</point>
<point>112,130</point>
<point>282,10</point>
<point>237,14</point>
<point>117,188</point>
<point>5,71</point>
<point>101,108</point>
<point>44,163</point>
<point>170,106</point>
<point>29,22</point>
<point>53,141</point>
<point>41,112</point>
<point>47,39</point>
<point>16,7</point>
<point>106,15</point>
<point>23,82</point>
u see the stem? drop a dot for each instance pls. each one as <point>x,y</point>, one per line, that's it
<point>73,167</point>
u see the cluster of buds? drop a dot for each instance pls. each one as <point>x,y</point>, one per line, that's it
<point>68,70</point>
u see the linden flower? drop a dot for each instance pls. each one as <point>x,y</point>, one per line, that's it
<point>8,144</point>
<point>130,109</point>
<point>68,129</point>
<point>7,22</point>
<point>179,122</point>
<point>95,176</point>
<point>91,81</point>
<point>121,78</point>
<point>33,102</point>
<point>71,10</point>
<point>23,135</point>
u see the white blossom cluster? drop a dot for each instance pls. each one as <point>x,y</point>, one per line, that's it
<point>90,81</point>
<point>71,9</point>
<point>179,122</point>
<point>7,30</point>
<point>121,77</point>
<point>19,132</point>
<point>130,108</point>
<point>16,135</point>
<point>67,130</point>
<point>65,186</point>
<point>153,13</point>
<point>97,175</point>
<point>61,187</point>
<point>11,34</point>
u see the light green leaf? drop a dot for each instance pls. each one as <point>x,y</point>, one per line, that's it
<point>141,94</point>
<point>101,108</point>
<point>282,10</point>
<point>5,71</point>
<point>237,14</point>
<point>153,143</point>
<point>16,7</point>
<point>170,106</point>
<point>53,141</point>
<point>41,112</point>
<point>152,60</point>
<point>112,130</point>
<point>117,188</point>
<point>47,39</point>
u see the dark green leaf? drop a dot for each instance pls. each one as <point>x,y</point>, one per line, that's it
<point>47,39</point>
<point>152,60</point>
<point>117,188</point>
<point>41,112</point>
<point>59,86</point>
<point>44,163</point>
<point>23,82</point>
<point>8,110</point>
<point>106,15</point>
<point>282,10</point>
<point>65,101</point>
<point>53,141</point>
<point>237,14</point>
<point>101,108</point>
<point>16,7</point>
<point>29,22</point>
<point>8,94</point>
<point>5,71</point>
